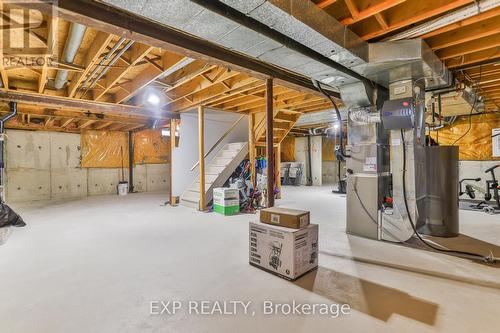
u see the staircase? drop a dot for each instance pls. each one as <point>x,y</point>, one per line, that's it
<point>217,172</point>
<point>283,122</point>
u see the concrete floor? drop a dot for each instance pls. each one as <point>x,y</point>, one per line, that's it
<point>94,265</point>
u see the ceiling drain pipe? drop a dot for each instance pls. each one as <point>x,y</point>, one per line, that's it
<point>75,37</point>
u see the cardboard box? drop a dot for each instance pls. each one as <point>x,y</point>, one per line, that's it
<point>226,200</point>
<point>289,253</point>
<point>224,196</point>
<point>285,217</point>
<point>229,210</point>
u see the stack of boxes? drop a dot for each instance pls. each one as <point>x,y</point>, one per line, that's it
<point>226,201</point>
<point>284,242</point>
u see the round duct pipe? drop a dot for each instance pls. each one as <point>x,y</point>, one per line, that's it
<point>73,42</point>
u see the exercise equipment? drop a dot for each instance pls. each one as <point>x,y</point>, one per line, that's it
<point>469,190</point>
<point>491,191</point>
<point>492,187</point>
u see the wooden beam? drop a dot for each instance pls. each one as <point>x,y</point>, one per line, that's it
<point>368,12</point>
<point>170,148</point>
<point>137,53</point>
<point>270,142</point>
<point>381,20</point>
<point>87,123</point>
<point>200,84</point>
<point>416,17</point>
<point>147,76</point>
<point>211,93</point>
<point>201,155</point>
<point>471,20</point>
<point>82,105</point>
<point>98,46</point>
<point>476,57</point>
<point>97,15</point>
<point>325,3</point>
<point>482,29</point>
<point>277,168</point>
<point>51,31</point>
<point>103,125</point>
<point>251,148</point>
<point>67,122</point>
<point>351,6</point>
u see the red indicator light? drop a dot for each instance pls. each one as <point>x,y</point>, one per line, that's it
<point>406,104</point>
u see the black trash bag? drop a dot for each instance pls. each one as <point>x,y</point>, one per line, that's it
<point>9,217</point>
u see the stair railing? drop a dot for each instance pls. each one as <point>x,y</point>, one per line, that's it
<point>233,126</point>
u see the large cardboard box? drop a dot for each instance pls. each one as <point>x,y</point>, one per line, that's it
<point>285,217</point>
<point>226,200</point>
<point>289,253</point>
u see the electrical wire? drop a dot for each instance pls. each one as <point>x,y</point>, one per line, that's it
<point>473,106</point>
<point>488,259</point>
<point>317,84</point>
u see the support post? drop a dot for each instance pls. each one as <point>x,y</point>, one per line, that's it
<point>201,151</point>
<point>171,146</point>
<point>277,162</point>
<point>270,142</point>
<point>130,162</point>
<point>251,147</point>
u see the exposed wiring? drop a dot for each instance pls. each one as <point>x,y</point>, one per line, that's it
<point>468,255</point>
<point>317,84</point>
<point>472,108</point>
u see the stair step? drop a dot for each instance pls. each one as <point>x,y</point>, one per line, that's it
<point>218,169</point>
<point>189,203</point>
<point>228,153</point>
<point>215,169</point>
<point>220,161</point>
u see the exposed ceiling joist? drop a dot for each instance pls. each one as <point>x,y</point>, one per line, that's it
<point>82,105</point>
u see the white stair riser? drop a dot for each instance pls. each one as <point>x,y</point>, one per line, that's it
<point>216,173</point>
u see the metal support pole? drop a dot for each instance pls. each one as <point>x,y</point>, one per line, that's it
<point>201,151</point>
<point>130,162</point>
<point>270,142</point>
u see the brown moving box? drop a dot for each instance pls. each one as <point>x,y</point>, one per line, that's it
<point>285,217</point>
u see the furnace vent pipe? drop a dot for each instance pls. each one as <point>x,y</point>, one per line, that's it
<point>75,37</point>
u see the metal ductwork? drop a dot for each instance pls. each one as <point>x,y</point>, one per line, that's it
<point>405,60</point>
<point>295,35</point>
<point>73,42</point>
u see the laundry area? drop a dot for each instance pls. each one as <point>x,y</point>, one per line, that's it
<point>220,166</point>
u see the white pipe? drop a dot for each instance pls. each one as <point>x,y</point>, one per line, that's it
<point>73,42</point>
<point>458,15</point>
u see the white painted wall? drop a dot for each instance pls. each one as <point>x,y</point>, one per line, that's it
<point>316,158</point>
<point>46,166</point>
<point>186,155</point>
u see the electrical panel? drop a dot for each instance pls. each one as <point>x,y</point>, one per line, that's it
<point>398,113</point>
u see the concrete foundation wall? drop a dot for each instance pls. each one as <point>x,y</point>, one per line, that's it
<point>316,158</point>
<point>474,169</point>
<point>46,166</point>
